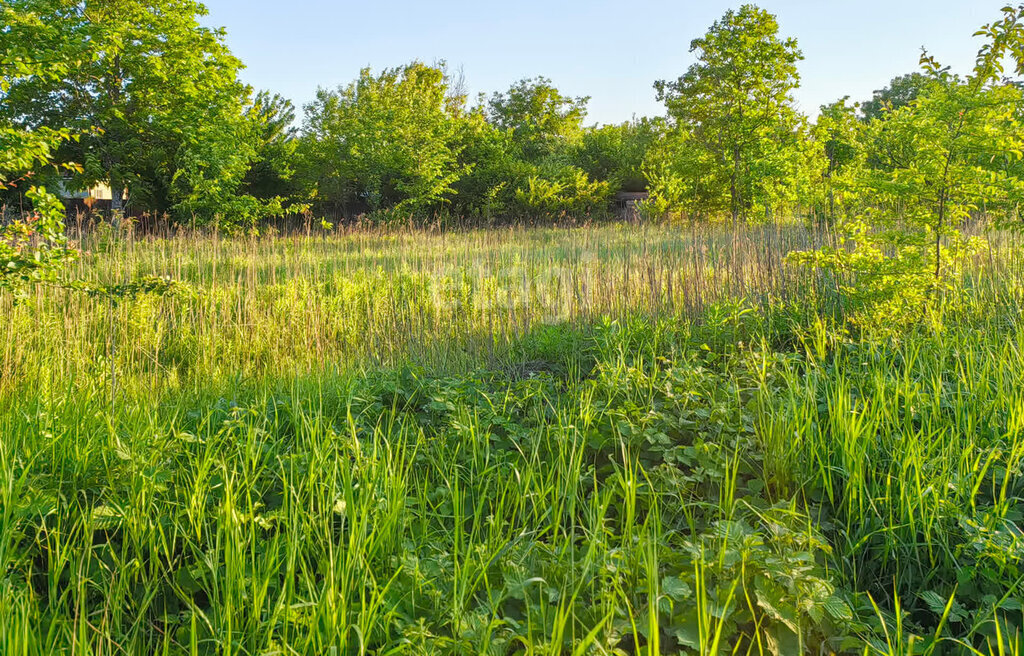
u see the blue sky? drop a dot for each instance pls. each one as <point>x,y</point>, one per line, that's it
<point>611,51</point>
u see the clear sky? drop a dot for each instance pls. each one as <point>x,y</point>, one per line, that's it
<point>611,51</point>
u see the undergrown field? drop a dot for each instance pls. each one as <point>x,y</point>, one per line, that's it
<point>613,440</point>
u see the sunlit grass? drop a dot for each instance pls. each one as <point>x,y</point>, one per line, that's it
<point>621,439</point>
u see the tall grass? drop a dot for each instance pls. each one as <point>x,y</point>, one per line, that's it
<point>622,439</point>
<point>446,299</point>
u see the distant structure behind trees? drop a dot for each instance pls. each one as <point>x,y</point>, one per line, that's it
<point>628,204</point>
<point>95,197</point>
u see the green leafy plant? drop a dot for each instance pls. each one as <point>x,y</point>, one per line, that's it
<point>386,142</point>
<point>33,246</point>
<point>901,253</point>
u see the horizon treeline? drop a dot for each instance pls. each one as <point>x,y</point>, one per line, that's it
<point>148,100</point>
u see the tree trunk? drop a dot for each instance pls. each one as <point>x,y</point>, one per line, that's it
<point>734,187</point>
<point>116,196</point>
<point>938,235</point>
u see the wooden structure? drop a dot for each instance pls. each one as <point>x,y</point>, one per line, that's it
<point>626,204</point>
<point>96,197</point>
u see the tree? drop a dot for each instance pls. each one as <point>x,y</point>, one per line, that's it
<point>32,247</point>
<point>900,92</point>
<point>271,172</point>
<point>151,87</point>
<point>491,169</point>
<point>735,107</point>
<point>837,138</point>
<point>616,152</point>
<point>386,141</point>
<point>549,167</point>
<point>937,153</point>
<point>540,120</point>
<point>684,178</point>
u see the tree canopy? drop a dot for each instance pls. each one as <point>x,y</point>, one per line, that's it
<point>385,141</point>
<point>153,101</point>
<point>734,108</point>
<point>31,247</point>
<point>539,118</point>
<point>925,168</point>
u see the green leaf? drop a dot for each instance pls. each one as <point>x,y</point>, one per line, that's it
<point>675,588</point>
<point>838,609</point>
<point>775,604</point>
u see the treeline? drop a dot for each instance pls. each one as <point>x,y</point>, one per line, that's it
<point>405,142</point>
<point>149,101</point>
<point>155,108</point>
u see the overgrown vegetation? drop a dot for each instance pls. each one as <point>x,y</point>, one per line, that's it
<point>794,431</point>
<point>604,440</point>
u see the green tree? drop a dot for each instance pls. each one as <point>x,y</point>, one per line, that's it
<point>540,120</point>
<point>615,153</point>
<point>684,178</point>
<point>32,247</point>
<point>936,152</point>
<point>387,141</point>
<point>735,107</point>
<point>271,173</point>
<point>492,170</point>
<point>837,152</point>
<point>900,92</point>
<point>155,92</point>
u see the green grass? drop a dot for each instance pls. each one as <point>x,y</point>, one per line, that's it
<point>613,440</point>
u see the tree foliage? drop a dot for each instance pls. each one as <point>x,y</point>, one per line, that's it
<point>403,143</point>
<point>616,152</point>
<point>385,141</point>
<point>154,101</point>
<point>900,92</point>
<point>940,159</point>
<point>156,97</point>
<point>32,246</point>
<point>147,75</point>
<point>735,113</point>
<point>540,120</point>
<point>835,155</point>
<point>271,172</point>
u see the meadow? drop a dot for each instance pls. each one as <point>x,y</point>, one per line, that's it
<point>618,439</point>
